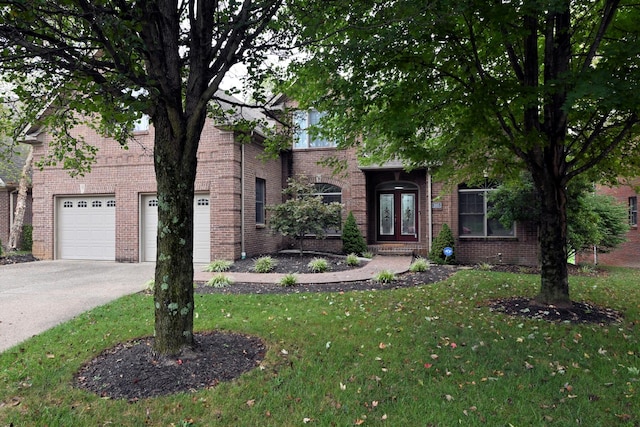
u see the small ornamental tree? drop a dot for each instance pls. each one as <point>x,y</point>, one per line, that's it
<point>444,239</point>
<point>352,240</point>
<point>304,213</point>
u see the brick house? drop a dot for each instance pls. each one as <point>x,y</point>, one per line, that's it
<point>109,214</point>
<point>9,180</point>
<point>628,253</point>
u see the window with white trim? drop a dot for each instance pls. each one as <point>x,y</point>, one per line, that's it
<point>261,201</point>
<point>304,136</point>
<point>633,211</point>
<point>473,219</point>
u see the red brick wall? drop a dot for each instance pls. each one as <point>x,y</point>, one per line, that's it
<point>129,174</point>
<point>6,196</point>
<point>521,250</point>
<point>627,254</point>
<point>305,162</point>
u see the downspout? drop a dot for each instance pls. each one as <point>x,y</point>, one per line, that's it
<point>243,253</point>
<point>429,210</point>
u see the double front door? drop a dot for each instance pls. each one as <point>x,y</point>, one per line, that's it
<point>397,216</point>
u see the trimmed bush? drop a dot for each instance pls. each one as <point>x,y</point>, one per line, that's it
<point>444,239</point>
<point>352,240</point>
<point>27,237</point>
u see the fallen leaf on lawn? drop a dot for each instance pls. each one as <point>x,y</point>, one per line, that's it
<point>359,422</point>
<point>51,356</point>
<point>448,397</point>
<point>284,352</point>
<point>382,346</point>
<point>454,345</point>
<point>384,417</point>
<point>343,387</point>
<point>251,402</point>
<point>428,365</point>
<point>307,420</point>
<point>434,356</point>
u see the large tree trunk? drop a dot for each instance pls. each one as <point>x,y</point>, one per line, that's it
<point>552,235</point>
<point>21,204</point>
<point>175,165</point>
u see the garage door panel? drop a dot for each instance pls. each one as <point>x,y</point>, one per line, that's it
<point>201,228</point>
<point>86,228</point>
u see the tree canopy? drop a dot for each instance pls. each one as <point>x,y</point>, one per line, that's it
<point>108,62</point>
<point>472,87</point>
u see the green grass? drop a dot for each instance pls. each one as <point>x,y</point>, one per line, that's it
<point>430,355</point>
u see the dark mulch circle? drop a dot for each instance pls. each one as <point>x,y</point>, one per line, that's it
<point>131,371</point>
<point>578,312</point>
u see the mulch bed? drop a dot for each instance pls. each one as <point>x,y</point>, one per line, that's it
<point>16,259</point>
<point>131,371</point>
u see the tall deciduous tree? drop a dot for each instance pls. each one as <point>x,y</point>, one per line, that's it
<point>119,59</point>
<point>475,86</point>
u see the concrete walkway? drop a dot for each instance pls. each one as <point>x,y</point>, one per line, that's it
<point>397,264</point>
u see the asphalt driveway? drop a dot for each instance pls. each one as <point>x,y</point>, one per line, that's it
<point>36,296</point>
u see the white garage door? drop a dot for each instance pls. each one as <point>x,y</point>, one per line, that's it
<point>86,228</point>
<point>201,228</point>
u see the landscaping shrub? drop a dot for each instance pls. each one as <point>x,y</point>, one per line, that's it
<point>385,276</point>
<point>289,280</point>
<point>220,281</point>
<point>444,239</point>
<point>27,237</point>
<point>352,260</point>
<point>419,265</point>
<point>352,239</point>
<point>318,265</point>
<point>264,264</point>
<point>219,265</point>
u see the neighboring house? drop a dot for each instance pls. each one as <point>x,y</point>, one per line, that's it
<point>628,253</point>
<point>110,213</point>
<point>9,181</point>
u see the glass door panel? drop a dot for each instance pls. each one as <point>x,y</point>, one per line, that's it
<point>408,206</point>
<point>387,215</point>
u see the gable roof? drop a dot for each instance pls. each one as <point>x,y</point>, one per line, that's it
<point>11,168</point>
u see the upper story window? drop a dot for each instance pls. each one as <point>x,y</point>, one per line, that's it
<point>633,211</point>
<point>304,137</point>
<point>473,219</point>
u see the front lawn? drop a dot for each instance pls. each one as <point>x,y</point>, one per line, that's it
<point>430,355</point>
